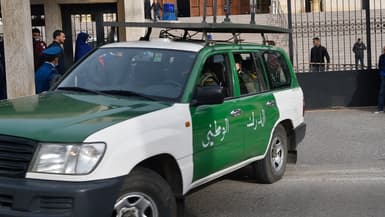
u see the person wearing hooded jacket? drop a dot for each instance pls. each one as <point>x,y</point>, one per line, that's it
<point>82,48</point>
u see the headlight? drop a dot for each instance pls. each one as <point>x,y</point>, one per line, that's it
<point>67,158</point>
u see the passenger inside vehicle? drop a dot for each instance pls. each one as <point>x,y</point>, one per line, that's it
<point>246,80</point>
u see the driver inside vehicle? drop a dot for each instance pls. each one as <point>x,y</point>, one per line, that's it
<point>209,76</point>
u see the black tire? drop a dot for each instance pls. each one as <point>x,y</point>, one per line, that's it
<point>273,166</point>
<point>145,191</point>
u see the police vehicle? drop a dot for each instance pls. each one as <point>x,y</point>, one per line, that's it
<point>135,126</point>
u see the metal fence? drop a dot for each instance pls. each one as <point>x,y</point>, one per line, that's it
<point>338,23</point>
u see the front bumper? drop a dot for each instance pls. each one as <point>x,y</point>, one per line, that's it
<point>41,198</point>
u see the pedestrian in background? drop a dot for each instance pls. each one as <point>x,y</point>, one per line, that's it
<point>318,54</point>
<point>147,9</point>
<point>58,41</point>
<point>157,8</point>
<point>38,47</point>
<point>47,73</point>
<point>358,50</point>
<point>381,93</point>
<point>3,88</point>
<point>81,48</point>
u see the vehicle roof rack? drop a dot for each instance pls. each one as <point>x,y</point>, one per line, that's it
<point>205,28</point>
<point>225,27</point>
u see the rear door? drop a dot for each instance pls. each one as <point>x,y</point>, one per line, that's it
<point>284,85</point>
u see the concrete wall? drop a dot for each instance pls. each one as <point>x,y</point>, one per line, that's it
<point>134,12</point>
<point>18,47</point>
<point>53,20</point>
<point>340,89</point>
<point>17,29</point>
<point>298,6</point>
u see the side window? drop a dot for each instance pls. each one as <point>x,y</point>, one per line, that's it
<point>250,74</point>
<point>216,72</point>
<point>277,70</point>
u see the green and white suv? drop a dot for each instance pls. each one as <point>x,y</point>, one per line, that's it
<point>135,126</point>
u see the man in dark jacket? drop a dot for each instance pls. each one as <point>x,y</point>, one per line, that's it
<point>358,50</point>
<point>3,88</point>
<point>38,47</point>
<point>147,9</point>
<point>58,41</point>
<point>317,56</point>
<point>381,93</point>
<point>157,8</point>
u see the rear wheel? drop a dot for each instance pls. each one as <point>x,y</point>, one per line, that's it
<point>273,166</point>
<point>145,193</point>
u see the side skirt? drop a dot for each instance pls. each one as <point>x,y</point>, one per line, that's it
<point>225,171</point>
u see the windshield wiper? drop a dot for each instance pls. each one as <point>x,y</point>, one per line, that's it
<point>79,89</point>
<point>128,93</point>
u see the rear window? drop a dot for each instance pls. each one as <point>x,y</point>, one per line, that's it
<point>277,70</point>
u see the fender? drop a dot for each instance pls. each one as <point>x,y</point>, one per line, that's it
<point>131,142</point>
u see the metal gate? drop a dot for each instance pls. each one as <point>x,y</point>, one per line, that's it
<point>87,18</point>
<point>338,23</point>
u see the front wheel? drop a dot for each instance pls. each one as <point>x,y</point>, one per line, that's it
<point>145,193</point>
<point>273,166</point>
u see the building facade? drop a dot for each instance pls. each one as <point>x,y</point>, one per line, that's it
<point>74,16</point>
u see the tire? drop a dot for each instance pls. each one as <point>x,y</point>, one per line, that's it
<point>273,166</point>
<point>145,193</point>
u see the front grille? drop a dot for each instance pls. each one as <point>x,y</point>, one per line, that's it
<point>6,201</point>
<point>15,156</point>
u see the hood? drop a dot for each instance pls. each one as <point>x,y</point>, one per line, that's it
<point>64,117</point>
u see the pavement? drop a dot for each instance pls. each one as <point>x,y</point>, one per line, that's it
<point>340,172</point>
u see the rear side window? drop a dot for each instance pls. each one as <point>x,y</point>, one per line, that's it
<point>277,70</point>
<point>250,74</point>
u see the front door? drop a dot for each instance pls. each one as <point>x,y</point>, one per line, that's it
<point>87,18</point>
<point>217,137</point>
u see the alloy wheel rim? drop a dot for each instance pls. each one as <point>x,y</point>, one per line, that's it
<point>135,205</point>
<point>277,154</point>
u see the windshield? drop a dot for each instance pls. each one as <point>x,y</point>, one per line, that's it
<point>155,73</point>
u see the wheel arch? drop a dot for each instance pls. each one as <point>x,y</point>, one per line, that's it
<point>167,167</point>
<point>289,128</point>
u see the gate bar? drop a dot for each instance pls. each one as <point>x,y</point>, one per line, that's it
<point>290,21</point>
<point>366,5</point>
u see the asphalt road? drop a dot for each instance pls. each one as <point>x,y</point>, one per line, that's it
<point>340,172</point>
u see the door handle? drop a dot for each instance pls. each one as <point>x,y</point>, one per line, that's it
<point>236,112</point>
<point>270,103</point>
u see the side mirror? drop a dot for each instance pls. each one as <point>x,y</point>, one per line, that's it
<point>208,95</point>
